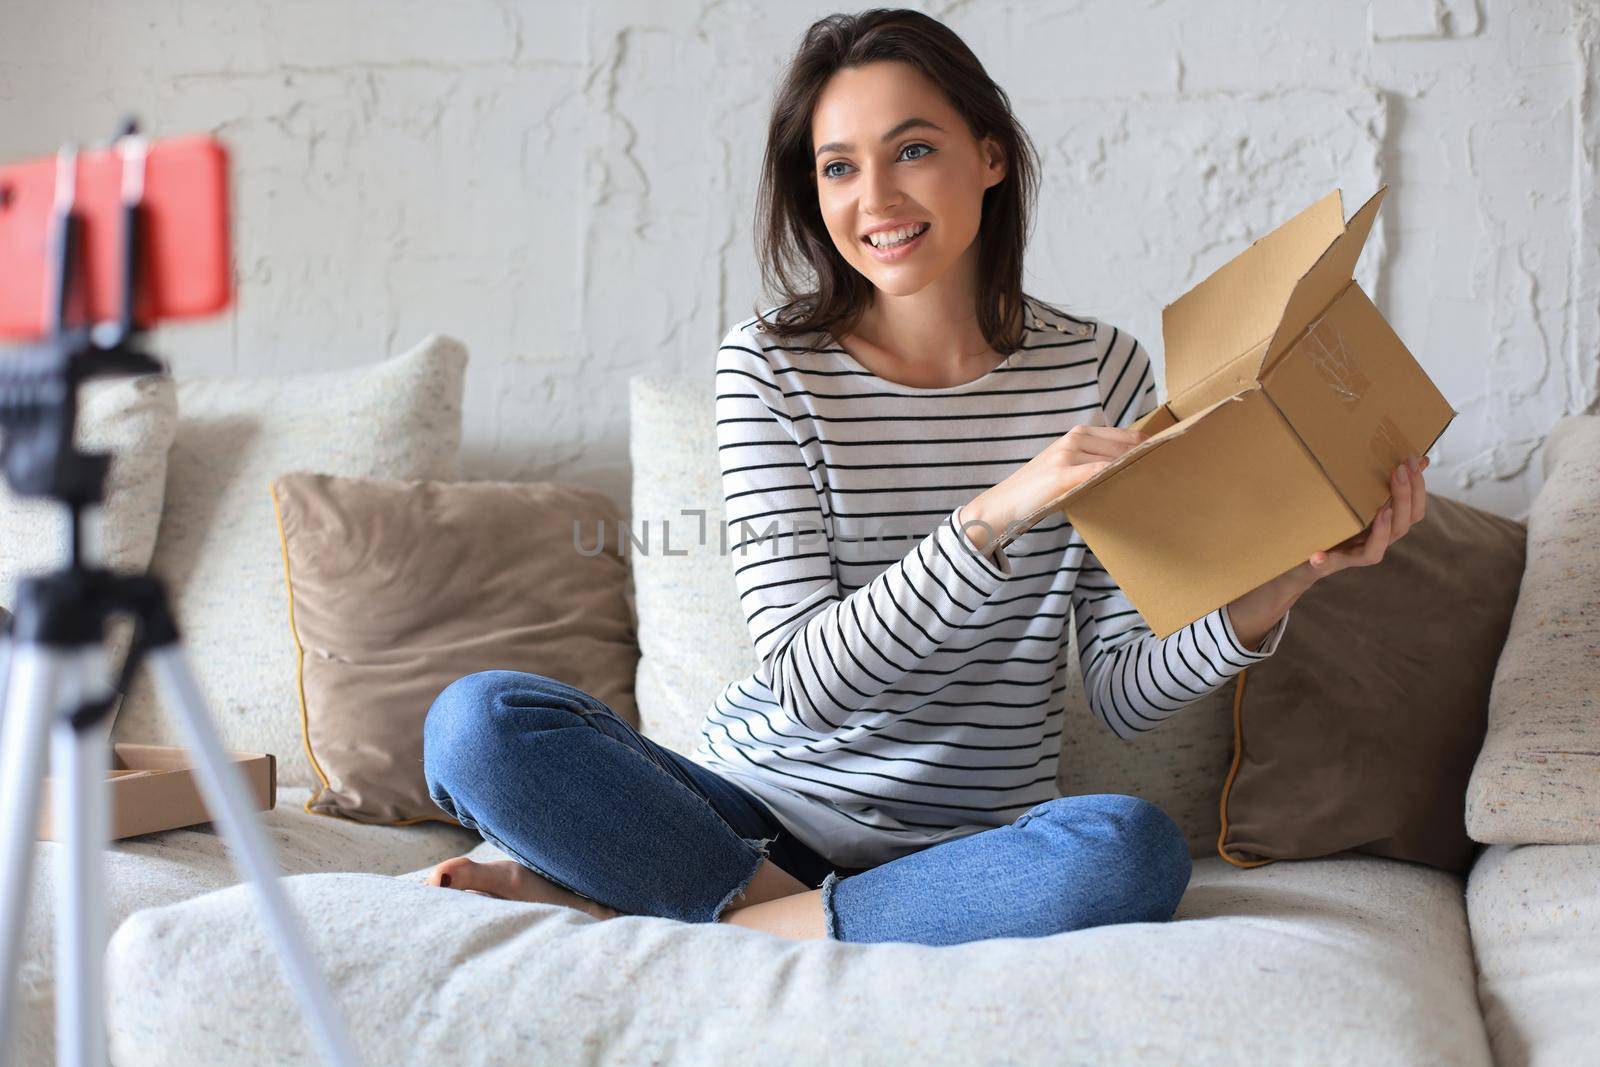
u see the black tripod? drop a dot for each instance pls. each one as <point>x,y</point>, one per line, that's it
<point>56,671</point>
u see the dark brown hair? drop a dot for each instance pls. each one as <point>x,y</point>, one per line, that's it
<point>819,290</point>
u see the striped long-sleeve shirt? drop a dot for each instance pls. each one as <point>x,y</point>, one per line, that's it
<point>909,685</point>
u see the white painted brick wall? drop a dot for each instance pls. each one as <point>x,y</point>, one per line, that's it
<point>569,188</point>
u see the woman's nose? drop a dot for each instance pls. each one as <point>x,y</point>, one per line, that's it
<point>880,194</point>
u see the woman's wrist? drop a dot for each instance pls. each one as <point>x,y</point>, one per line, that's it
<point>982,521</point>
<point>1255,613</point>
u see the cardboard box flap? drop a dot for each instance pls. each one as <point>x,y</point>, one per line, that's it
<point>1127,459</point>
<point>1237,501</point>
<point>1241,304</point>
<point>1324,281</point>
<point>1357,398</point>
<point>1155,441</point>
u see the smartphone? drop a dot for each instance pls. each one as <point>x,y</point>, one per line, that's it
<point>184,268</point>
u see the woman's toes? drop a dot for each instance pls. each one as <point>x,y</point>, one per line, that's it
<point>504,879</point>
<point>509,880</point>
<point>455,873</point>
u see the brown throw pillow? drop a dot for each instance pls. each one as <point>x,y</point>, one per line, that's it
<point>1361,731</point>
<point>397,588</point>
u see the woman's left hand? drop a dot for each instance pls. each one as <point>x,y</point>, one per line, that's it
<point>1255,613</point>
<point>1407,502</point>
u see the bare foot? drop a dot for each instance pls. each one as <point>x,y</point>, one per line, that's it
<point>510,880</point>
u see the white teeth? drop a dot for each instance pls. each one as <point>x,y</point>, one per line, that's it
<point>899,235</point>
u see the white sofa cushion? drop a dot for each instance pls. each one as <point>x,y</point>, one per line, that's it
<point>1537,778</point>
<point>1535,916</point>
<point>1350,959</point>
<point>163,868</point>
<point>133,419</point>
<point>218,547</point>
<point>693,639</point>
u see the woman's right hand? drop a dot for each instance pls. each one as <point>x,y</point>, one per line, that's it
<point>1063,465</point>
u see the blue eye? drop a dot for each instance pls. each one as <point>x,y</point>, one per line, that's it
<point>914,144</point>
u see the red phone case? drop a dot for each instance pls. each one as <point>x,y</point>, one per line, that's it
<point>184,260</point>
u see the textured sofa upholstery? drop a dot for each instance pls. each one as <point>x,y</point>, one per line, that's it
<point>172,866</point>
<point>1348,959</point>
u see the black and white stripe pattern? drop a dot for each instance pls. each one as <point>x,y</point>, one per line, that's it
<point>910,686</point>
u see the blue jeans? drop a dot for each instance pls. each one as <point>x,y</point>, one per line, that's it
<point>558,781</point>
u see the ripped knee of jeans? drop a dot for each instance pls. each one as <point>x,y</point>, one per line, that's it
<point>829,917</point>
<point>762,845</point>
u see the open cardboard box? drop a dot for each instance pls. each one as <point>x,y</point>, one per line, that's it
<point>153,787</point>
<point>1289,402</point>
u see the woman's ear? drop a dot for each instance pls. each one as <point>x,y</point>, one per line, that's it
<point>994,162</point>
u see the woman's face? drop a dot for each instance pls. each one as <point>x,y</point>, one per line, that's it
<point>900,178</point>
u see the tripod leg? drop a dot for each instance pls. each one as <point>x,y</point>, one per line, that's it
<point>32,686</point>
<point>228,801</point>
<point>82,805</point>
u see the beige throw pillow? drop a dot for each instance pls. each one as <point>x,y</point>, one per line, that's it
<point>397,588</point>
<point>217,549</point>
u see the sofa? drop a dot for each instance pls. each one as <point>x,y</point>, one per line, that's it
<point>1348,958</point>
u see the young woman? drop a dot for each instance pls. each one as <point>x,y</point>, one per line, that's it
<point>890,436</point>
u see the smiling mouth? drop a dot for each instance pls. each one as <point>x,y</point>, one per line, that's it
<point>914,234</point>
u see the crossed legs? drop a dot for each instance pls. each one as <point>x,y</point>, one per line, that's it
<point>597,817</point>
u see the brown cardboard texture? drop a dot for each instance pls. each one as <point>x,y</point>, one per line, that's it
<point>153,787</point>
<point>1289,402</point>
